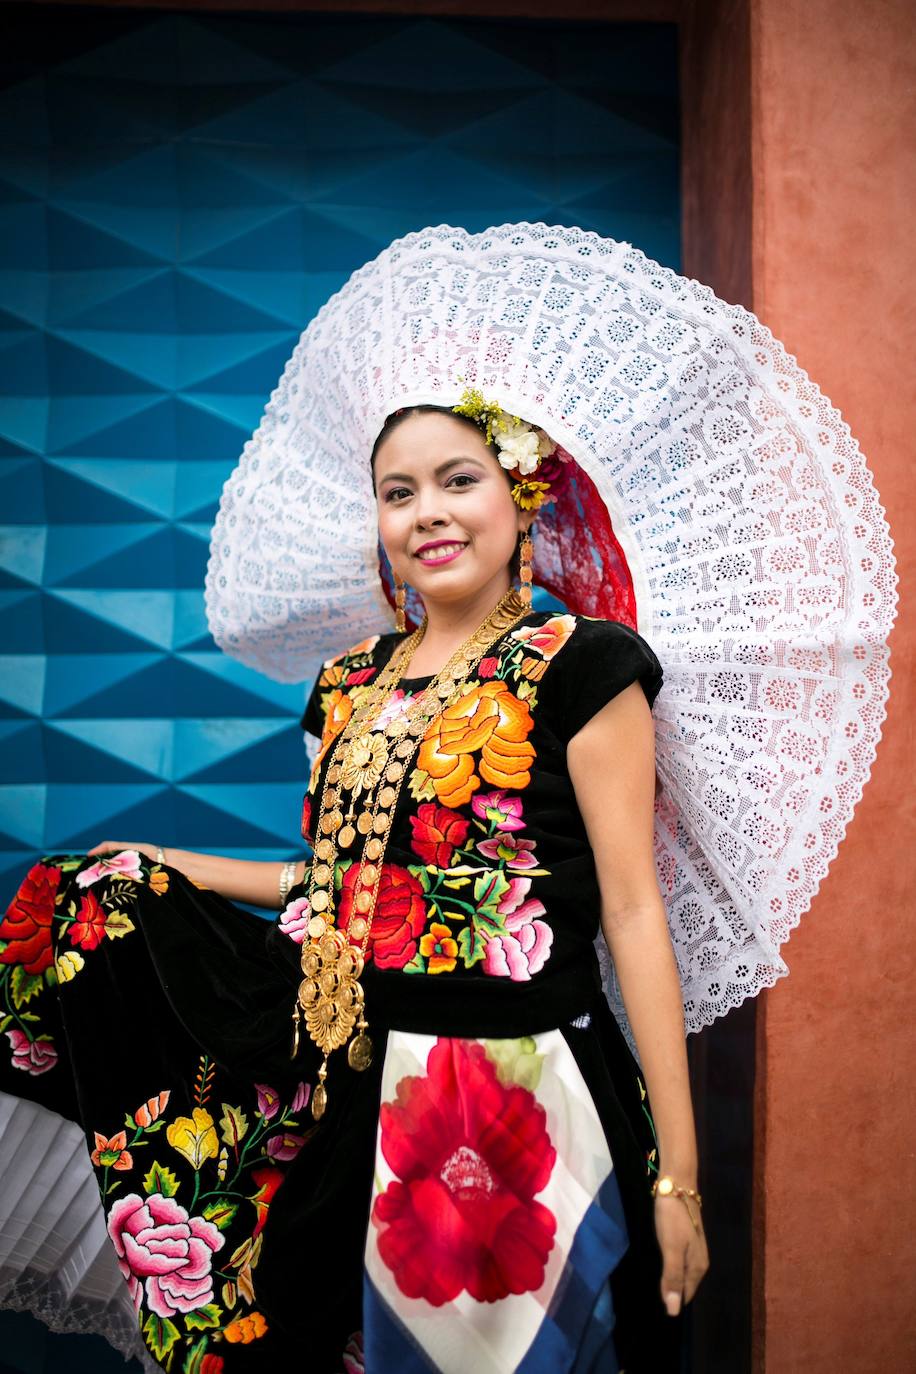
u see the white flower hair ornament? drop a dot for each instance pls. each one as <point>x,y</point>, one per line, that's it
<point>520,448</point>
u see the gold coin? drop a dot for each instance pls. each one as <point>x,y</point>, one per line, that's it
<point>333,774</point>
<point>381,823</point>
<point>316,928</point>
<point>328,982</point>
<point>311,963</point>
<point>327,824</point>
<point>405,748</point>
<point>330,797</point>
<point>363,901</point>
<point>328,947</point>
<point>445,688</point>
<point>324,849</point>
<point>397,728</point>
<point>321,875</point>
<point>386,797</point>
<point>319,1101</point>
<point>308,991</point>
<point>374,849</point>
<point>364,822</point>
<point>358,928</point>
<point>320,900</point>
<point>394,772</point>
<point>346,837</point>
<point>418,726</point>
<point>327,1012</point>
<point>370,875</point>
<point>359,1055</point>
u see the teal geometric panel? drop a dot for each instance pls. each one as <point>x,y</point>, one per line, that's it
<point>178,196</point>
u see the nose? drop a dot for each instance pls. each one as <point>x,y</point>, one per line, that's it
<point>429,512</point>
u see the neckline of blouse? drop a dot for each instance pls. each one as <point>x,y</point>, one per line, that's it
<point>413,682</point>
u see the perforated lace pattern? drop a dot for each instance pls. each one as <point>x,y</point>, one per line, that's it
<point>759,552</point>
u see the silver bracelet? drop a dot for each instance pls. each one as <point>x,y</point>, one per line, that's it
<point>287,878</point>
<point>160,855</point>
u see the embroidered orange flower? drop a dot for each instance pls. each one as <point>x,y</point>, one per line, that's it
<point>332,677</point>
<point>113,1153</point>
<point>152,1109</point>
<point>159,881</point>
<point>488,719</point>
<point>439,948</point>
<point>547,639</point>
<point>340,709</point>
<point>533,668</point>
<point>244,1330</point>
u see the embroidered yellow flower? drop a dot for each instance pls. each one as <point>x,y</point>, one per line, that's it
<point>69,964</point>
<point>194,1137</point>
<point>439,948</point>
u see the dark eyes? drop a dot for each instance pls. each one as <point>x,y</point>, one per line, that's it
<point>459,480</point>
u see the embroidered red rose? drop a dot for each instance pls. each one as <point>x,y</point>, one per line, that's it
<point>400,915</point>
<point>306,826</point>
<point>27,923</point>
<point>88,930</point>
<point>470,1154</point>
<point>437,833</point>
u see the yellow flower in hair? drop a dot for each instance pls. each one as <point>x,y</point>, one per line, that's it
<point>529,495</point>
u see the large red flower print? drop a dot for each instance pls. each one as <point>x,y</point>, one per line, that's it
<point>27,924</point>
<point>470,1154</point>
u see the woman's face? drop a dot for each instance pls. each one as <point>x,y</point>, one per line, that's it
<point>446,516</point>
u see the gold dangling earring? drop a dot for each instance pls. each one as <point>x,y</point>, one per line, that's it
<point>400,601</point>
<point>526,553</point>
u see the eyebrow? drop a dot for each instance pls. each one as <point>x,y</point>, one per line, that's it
<point>442,467</point>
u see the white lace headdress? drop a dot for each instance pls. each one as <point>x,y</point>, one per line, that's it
<point>746,520</point>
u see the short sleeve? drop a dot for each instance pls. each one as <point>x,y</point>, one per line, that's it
<point>313,716</point>
<point>600,659</point>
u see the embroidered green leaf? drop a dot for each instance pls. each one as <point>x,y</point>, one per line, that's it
<point>230,1295</point>
<point>489,889</point>
<point>160,1335</point>
<point>416,965</point>
<point>159,1179</point>
<point>455,882</point>
<point>195,1356</point>
<point>30,1016</point>
<point>68,865</point>
<point>471,945</point>
<point>118,924</point>
<point>24,986</point>
<point>421,786</point>
<point>4,1023</point>
<point>50,976</point>
<point>203,1317</point>
<point>233,1125</point>
<point>220,1212</point>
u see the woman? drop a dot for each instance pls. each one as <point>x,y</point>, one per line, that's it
<point>469,1183</point>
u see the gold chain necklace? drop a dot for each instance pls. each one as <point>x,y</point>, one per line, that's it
<point>366,769</point>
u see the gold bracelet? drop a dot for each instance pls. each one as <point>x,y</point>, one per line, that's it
<point>665,1186</point>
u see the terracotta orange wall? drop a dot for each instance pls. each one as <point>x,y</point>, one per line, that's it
<point>833,129</point>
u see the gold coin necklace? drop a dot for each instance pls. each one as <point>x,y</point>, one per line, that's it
<point>366,771</point>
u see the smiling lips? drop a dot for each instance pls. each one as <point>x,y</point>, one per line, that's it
<point>441,552</point>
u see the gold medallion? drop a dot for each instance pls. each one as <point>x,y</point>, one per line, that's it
<point>359,1055</point>
<point>319,1101</point>
<point>346,837</point>
<point>374,849</point>
<point>364,822</point>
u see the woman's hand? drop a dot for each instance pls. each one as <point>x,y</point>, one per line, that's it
<point>148,851</point>
<point>685,1258</point>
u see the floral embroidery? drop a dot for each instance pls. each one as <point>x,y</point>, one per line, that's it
<point>176,1233</point>
<point>547,639</point>
<point>46,912</point>
<point>439,949</point>
<point>437,832</point>
<point>487,720</point>
<point>462,1215</point>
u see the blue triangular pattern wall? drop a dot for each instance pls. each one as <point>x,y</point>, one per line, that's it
<point>178,195</point>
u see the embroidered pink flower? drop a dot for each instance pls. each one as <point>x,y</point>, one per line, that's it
<point>526,948</point>
<point>123,865</point>
<point>487,667</point>
<point>396,704</point>
<point>268,1101</point>
<point>513,851</point>
<point>32,1056</point>
<point>284,1147</point>
<point>301,1098</point>
<point>160,1247</point>
<point>294,920</point>
<point>353,1355</point>
<point>470,1154</point>
<point>359,676</point>
<point>500,809</point>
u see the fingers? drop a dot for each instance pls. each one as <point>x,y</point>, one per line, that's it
<point>107,846</point>
<point>697,1265</point>
<point>674,1275</point>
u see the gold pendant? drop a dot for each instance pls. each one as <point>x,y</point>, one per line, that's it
<point>330,994</point>
<point>346,837</point>
<point>359,1055</point>
<point>319,1101</point>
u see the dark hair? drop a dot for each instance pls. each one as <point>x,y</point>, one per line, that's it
<point>398,417</point>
